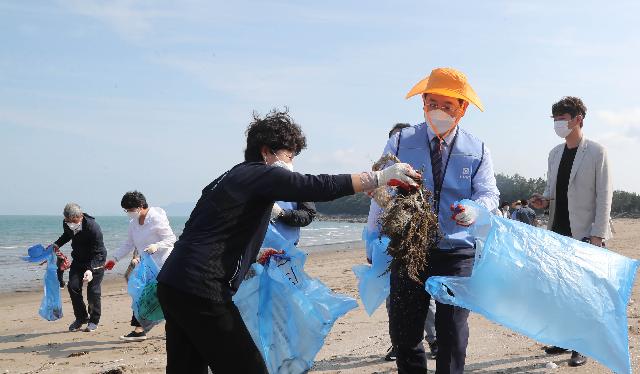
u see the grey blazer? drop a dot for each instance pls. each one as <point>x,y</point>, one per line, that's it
<point>589,194</point>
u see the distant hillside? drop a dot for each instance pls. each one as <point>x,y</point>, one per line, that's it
<point>357,204</point>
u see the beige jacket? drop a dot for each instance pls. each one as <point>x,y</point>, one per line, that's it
<point>589,194</point>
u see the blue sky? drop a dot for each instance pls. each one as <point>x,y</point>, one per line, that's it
<point>101,97</point>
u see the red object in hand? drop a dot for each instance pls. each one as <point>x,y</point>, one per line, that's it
<point>459,209</point>
<point>267,253</point>
<point>110,264</point>
<point>400,184</point>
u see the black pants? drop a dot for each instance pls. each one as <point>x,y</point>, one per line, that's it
<point>60,277</point>
<point>134,321</point>
<point>202,333</point>
<point>60,272</point>
<point>408,311</point>
<point>94,291</point>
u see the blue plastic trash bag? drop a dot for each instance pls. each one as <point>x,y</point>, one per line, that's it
<point>373,280</point>
<point>51,305</point>
<point>141,288</point>
<point>38,253</point>
<point>546,286</point>
<point>288,313</point>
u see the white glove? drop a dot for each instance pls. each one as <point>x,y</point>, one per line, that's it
<point>276,212</point>
<point>464,215</point>
<point>151,249</point>
<point>399,174</point>
<point>135,261</point>
<point>88,276</point>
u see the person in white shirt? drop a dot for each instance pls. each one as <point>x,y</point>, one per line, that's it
<point>149,231</point>
<point>504,210</point>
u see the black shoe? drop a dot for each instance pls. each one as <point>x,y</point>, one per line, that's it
<point>553,350</point>
<point>391,354</point>
<point>62,285</point>
<point>433,347</point>
<point>134,336</point>
<point>577,359</point>
<point>76,325</point>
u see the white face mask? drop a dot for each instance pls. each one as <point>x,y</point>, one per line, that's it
<point>134,215</point>
<point>74,226</point>
<point>283,164</point>
<point>562,128</point>
<point>440,121</point>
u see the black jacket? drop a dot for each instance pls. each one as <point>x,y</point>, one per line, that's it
<point>88,251</point>
<point>222,237</point>
<point>300,217</point>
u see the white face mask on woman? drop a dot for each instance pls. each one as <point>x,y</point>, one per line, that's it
<point>562,128</point>
<point>283,164</point>
<point>134,214</point>
<point>440,121</point>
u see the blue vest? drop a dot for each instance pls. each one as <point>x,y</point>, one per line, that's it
<point>292,234</point>
<point>464,159</point>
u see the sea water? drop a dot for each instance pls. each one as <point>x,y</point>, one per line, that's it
<point>17,233</point>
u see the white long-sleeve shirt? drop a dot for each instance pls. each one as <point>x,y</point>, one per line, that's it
<point>155,230</point>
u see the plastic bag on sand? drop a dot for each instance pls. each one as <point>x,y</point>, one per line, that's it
<point>288,313</point>
<point>373,280</point>
<point>546,286</point>
<point>51,305</point>
<point>142,289</point>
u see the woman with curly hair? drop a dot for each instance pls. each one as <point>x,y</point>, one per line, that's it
<point>222,238</point>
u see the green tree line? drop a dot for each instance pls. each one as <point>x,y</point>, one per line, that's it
<point>511,187</point>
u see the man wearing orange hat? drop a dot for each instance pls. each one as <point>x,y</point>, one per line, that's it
<point>456,166</point>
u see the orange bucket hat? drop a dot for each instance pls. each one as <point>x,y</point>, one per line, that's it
<point>447,82</point>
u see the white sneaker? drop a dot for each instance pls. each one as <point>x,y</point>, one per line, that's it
<point>91,327</point>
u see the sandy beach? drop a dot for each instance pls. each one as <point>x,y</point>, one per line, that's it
<point>357,343</point>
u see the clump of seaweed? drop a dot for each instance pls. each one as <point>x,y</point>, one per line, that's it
<point>383,195</point>
<point>409,221</point>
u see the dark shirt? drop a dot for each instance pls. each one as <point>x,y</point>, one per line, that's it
<point>526,215</point>
<point>302,216</point>
<point>561,224</point>
<point>223,235</point>
<point>88,251</point>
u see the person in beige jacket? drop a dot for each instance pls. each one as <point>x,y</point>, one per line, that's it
<point>578,191</point>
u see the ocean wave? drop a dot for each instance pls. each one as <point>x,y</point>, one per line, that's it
<point>9,246</point>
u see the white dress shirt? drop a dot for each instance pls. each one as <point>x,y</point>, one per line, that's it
<point>154,230</point>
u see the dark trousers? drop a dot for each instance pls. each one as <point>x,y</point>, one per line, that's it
<point>202,333</point>
<point>408,311</point>
<point>60,272</point>
<point>60,277</point>
<point>94,291</point>
<point>134,321</point>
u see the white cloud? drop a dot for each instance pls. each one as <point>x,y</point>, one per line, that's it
<point>130,18</point>
<point>622,125</point>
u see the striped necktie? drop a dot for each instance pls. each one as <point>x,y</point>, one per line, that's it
<point>436,162</point>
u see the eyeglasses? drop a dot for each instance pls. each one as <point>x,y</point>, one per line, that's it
<point>445,108</point>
